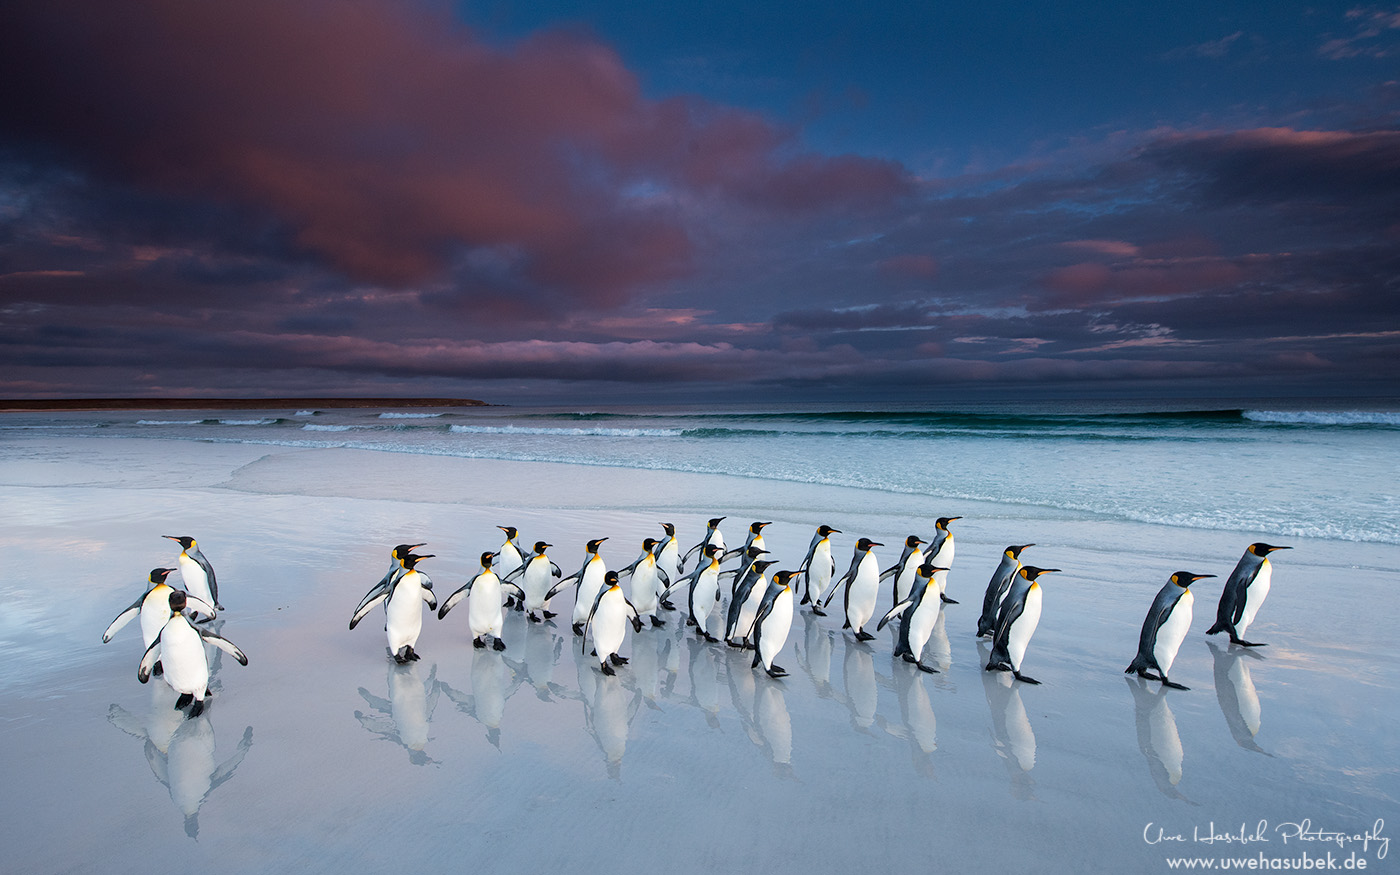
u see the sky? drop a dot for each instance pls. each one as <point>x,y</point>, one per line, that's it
<point>691,202</point>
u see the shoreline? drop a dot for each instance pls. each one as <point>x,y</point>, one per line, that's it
<point>80,404</point>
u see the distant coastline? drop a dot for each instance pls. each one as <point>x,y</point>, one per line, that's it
<point>228,403</point>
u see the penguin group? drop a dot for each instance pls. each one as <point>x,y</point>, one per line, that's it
<point>759,607</point>
<point>174,626</point>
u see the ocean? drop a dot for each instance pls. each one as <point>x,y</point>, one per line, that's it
<point>1315,471</point>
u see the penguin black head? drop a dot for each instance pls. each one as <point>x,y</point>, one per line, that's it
<point>944,521</point>
<point>158,575</point>
<point>1262,549</point>
<point>826,531</point>
<point>913,541</point>
<point>610,579</point>
<point>594,544</point>
<point>1015,552</point>
<point>648,544</point>
<point>1184,579</point>
<point>541,546</point>
<point>714,523</point>
<point>781,578</point>
<point>403,550</point>
<point>711,550</point>
<point>761,565</point>
<point>753,552</point>
<point>487,557</point>
<point>928,568</point>
<point>177,601</point>
<point>413,559</point>
<point>669,529</point>
<point>758,527</point>
<point>185,541</point>
<point>510,532</point>
<point>1030,572</point>
<point>865,544</point>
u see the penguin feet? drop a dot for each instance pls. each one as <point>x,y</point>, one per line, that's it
<point>498,645</point>
<point>1172,684</point>
<point>690,621</point>
<point>948,601</point>
<point>577,627</point>
<point>532,618</point>
<point>184,700</point>
<point>413,655</point>
<point>158,669</point>
<point>710,638</point>
<point>863,635</point>
<point>666,604</point>
<point>907,657</point>
<point>550,615</point>
<point>818,611</point>
<point>197,708</point>
<point>657,622</point>
<point>1243,643</point>
<point>478,643</point>
<point>777,671</point>
<point>1025,679</point>
<point>636,624</point>
<point>618,660</point>
<point>608,669</point>
<point>926,668</point>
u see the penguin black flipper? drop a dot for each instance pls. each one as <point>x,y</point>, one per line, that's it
<point>198,556</point>
<point>375,596</point>
<point>894,612</point>
<point>148,660</point>
<point>223,644</point>
<point>588,624</point>
<point>1162,607</point>
<point>126,616</point>
<point>1000,658</point>
<point>1233,596</point>
<point>464,591</point>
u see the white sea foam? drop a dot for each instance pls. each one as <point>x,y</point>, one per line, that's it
<point>567,432</point>
<point>169,421</point>
<point>409,415</point>
<point>246,421</point>
<point>1317,417</point>
<point>313,427</point>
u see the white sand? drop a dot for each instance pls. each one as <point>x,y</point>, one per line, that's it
<point>325,757</point>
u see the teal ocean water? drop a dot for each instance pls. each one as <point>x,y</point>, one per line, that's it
<point>1303,471</point>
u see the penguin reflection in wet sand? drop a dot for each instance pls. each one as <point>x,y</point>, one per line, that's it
<point>180,648</point>
<point>485,614</point>
<point>403,610</point>
<point>772,624</point>
<point>1164,628</point>
<point>997,588</point>
<point>1244,593</point>
<point>1016,622</point>
<point>196,571</point>
<point>862,584</point>
<point>607,623</point>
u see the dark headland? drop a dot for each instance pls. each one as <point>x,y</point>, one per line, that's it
<point>227,403</point>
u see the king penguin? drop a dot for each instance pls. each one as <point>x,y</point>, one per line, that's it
<point>703,594</point>
<point>588,579</point>
<point>940,553</point>
<point>1016,622</point>
<point>509,558</point>
<point>606,623</point>
<point>154,608</point>
<point>772,623</point>
<point>404,598</point>
<point>668,561</point>
<point>862,584</point>
<point>648,582</point>
<point>748,597</point>
<point>820,565</point>
<point>373,597</point>
<point>536,575</point>
<point>198,574</point>
<point>712,536</point>
<point>180,648</point>
<point>918,614</point>
<point>485,615</point>
<point>753,540</point>
<point>1244,593</point>
<point>997,587</point>
<point>904,570</point>
<point>1164,628</point>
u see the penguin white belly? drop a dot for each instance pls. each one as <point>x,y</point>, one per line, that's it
<point>404,613</point>
<point>609,625</point>
<point>922,622</point>
<point>508,559</point>
<point>1254,596</point>
<point>706,594</point>
<point>1171,633</point>
<point>943,559</point>
<point>485,613</point>
<point>865,589</point>
<point>535,582</point>
<point>743,626</point>
<point>904,580</point>
<point>155,610</point>
<point>820,572</point>
<point>775,628</point>
<point>183,657</point>
<point>196,581</point>
<point>1021,631</point>
<point>644,580</point>
<point>669,560</point>
<point>588,587</point>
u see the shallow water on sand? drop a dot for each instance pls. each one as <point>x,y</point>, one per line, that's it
<point>322,755</point>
